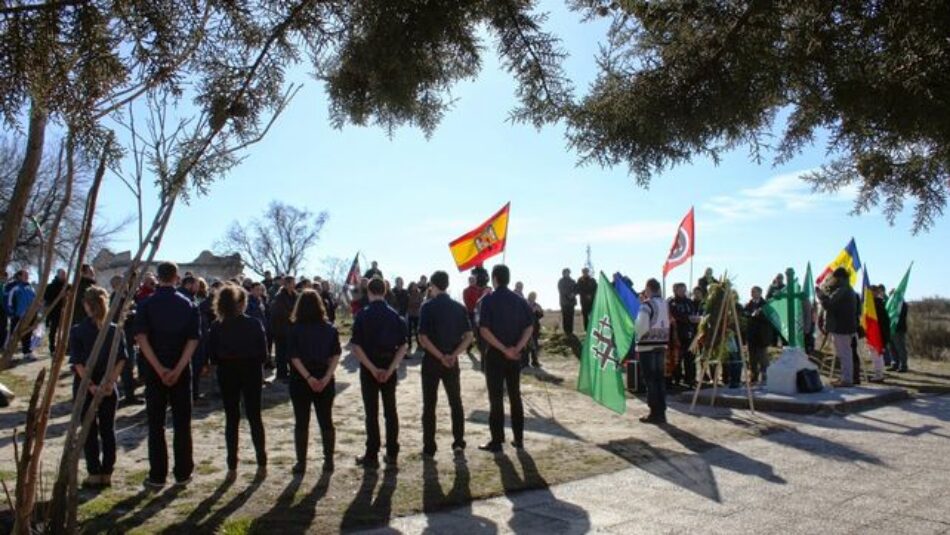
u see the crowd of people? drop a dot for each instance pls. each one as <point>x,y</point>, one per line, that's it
<point>665,353</point>
<point>177,328</point>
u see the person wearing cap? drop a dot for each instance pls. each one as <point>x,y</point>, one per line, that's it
<point>841,320</point>
<point>167,330</point>
<point>444,334</point>
<point>379,342</point>
<point>505,324</point>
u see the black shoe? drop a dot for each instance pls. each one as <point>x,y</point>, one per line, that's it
<point>299,468</point>
<point>517,445</point>
<point>652,420</point>
<point>492,447</point>
<point>367,461</point>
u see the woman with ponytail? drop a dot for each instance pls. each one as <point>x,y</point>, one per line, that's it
<point>238,347</point>
<point>100,442</point>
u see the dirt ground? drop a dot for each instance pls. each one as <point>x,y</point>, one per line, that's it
<point>568,437</point>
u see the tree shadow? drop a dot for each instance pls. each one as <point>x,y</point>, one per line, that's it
<point>558,516</point>
<point>365,510</point>
<point>459,519</point>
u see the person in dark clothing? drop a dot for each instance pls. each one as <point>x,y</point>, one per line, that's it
<point>99,448</point>
<point>842,307</point>
<point>567,290</point>
<point>189,287</point>
<point>586,288</point>
<point>255,303</point>
<point>280,311</point>
<point>128,370</point>
<point>19,297</point>
<point>167,330</point>
<point>401,298</point>
<point>413,311</point>
<point>778,284</point>
<point>506,323</point>
<point>707,279</point>
<point>238,347</point>
<point>53,299</point>
<point>329,302</point>
<point>685,317</point>
<point>379,343</point>
<point>899,341</point>
<point>87,280</point>
<point>444,334</point>
<point>534,347</point>
<point>314,350</point>
<point>373,271</point>
<point>760,334</point>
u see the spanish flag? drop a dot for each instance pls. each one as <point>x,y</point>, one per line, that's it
<point>848,258</point>
<point>482,243</point>
<point>872,329</point>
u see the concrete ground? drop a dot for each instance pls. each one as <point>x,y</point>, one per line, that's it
<point>881,471</point>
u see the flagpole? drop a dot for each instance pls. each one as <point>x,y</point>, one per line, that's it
<point>689,283</point>
<point>504,253</point>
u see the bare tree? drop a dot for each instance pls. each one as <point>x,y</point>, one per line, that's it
<point>277,242</point>
<point>41,208</point>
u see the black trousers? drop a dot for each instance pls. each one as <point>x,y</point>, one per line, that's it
<point>567,320</point>
<point>433,372</point>
<point>585,313</point>
<point>242,381</point>
<point>158,398</point>
<point>503,374</point>
<point>26,340</point>
<point>101,437</point>
<point>52,327</point>
<point>303,399</point>
<point>372,391</point>
<point>280,356</point>
<point>653,364</point>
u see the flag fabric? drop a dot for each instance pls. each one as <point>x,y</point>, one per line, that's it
<point>809,285</point>
<point>872,329</point>
<point>609,336</point>
<point>777,310</point>
<point>848,258</point>
<point>485,241</point>
<point>627,295</point>
<point>354,275</point>
<point>896,301</point>
<point>684,244</point>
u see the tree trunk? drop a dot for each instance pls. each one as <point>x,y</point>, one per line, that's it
<point>25,180</point>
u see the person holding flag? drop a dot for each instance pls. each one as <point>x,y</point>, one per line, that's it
<point>871,325</point>
<point>897,311</point>
<point>841,304</point>
<point>609,341</point>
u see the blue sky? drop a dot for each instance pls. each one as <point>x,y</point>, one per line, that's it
<point>401,200</point>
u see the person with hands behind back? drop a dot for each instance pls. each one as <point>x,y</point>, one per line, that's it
<point>380,341</point>
<point>82,338</point>
<point>167,330</point>
<point>314,351</point>
<point>444,334</point>
<point>506,324</point>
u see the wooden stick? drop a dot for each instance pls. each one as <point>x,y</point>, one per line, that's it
<point>744,355</point>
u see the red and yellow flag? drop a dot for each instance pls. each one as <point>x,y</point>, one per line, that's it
<point>482,243</point>
<point>869,319</point>
<point>848,258</point>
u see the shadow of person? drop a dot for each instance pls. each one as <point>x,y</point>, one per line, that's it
<point>103,521</point>
<point>538,510</point>
<point>365,510</point>
<point>211,524</point>
<point>275,516</point>
<point>156,505</point>
<point>724,457</point>
<point>459,519</point>
<point>298,518</point>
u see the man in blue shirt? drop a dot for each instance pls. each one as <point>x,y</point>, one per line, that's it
<point>167,330</point>
<point>379,341</point>
<point>444,334</point>
<point>20,298</point>
<point>505,324</point>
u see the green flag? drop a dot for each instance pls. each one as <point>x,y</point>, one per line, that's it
<point>809,286</point>
<point>609,336</point>
<point>785,315</point>
<point>896,301</point>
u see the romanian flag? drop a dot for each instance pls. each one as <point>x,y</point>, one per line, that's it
<point>872,329</point>
<point>848,258</point>
<point>482,243</point>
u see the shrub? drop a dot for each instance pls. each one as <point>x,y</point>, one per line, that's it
<point>928,329</point>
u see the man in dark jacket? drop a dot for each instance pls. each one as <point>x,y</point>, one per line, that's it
<point>280,311</point>
<point>54,306</point>
<point>684,314</point>
<point>567,289</point>
<point>87,279</point>
<point>586,288</point>
<point>760,334</point>
<point>899,341</point>
<point>841,321</point>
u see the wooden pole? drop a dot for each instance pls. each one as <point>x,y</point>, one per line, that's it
<point>745,358</point>
<point>699,382</point>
